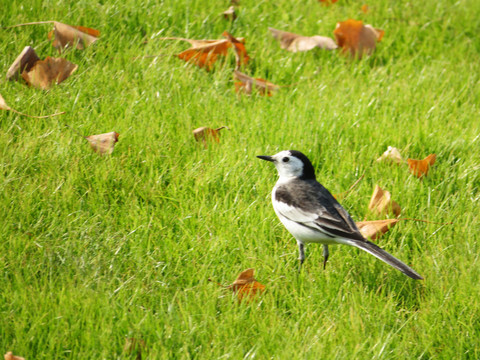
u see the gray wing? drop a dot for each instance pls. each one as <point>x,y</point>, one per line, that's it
<point>308,203</point>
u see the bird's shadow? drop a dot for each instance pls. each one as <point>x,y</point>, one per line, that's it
<point>392,285</point>
<point>388,283</point>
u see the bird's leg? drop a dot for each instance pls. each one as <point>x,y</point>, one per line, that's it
<point>325,256</point>
<point>301,251</point>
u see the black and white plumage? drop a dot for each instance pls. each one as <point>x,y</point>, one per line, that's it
<point>311,214</point>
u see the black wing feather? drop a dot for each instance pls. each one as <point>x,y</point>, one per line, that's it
<point>314,198</point>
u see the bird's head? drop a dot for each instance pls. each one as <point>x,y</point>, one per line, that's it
<point>291,164</point>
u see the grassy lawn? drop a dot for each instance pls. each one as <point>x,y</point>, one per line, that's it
<point>95,250</point>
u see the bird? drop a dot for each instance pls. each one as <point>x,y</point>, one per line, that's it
<point>313,215</point>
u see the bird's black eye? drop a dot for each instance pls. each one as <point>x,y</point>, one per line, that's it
<point>285,159</point>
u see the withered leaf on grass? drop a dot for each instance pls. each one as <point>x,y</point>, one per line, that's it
<point>9,356</point>
<point>4,106</point>
<point>246,286</point>
<point>68,35</point>
<point>392,154</point>
<point>381,203</point>
<point>103,143</point>
<point>357,39</point>
<point>64,35</point>
<point>204,134</point>
<point>230,14</point>
<point>24,62</point>
<point>45,73</point>
<point>294,42</point>
<point>374,229</point>
<point>246,84</point>
<point>204,53</point>
<point>420,168</point>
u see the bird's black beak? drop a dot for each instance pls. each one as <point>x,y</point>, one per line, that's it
<point>263,157</point>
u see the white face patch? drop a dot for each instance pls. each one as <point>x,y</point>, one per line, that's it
<point>288,166</point>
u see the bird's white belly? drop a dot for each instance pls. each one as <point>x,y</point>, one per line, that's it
<point>305,234</point>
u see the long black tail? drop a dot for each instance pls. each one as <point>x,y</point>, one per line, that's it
<point>378,252</point>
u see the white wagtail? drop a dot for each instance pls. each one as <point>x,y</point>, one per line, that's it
<point>311,214</point>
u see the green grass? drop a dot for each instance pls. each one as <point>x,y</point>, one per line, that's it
<point>97,249</point>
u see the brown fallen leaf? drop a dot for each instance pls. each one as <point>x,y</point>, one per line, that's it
<point>9,356</point>
<point>246,84</point>
<point>374,229</point>
<point>204,53</point>
<point>69,35</point>
<point>294,42</point>
<point>365,8</point>
<point>24,62</point>
<point>241,55</point>
<point>420,168</point>
<point>358,39</point>
<point>246,286</point>
<point>4,106</point>
<point>45,73</point>
<point>205,133</point>
<point>381,203</point>
<point>133,345</point>
<point>392,154</point>
<point>204,56</point>
<point>199,43</point>
<point>230,14</point>
<point>103,143</point>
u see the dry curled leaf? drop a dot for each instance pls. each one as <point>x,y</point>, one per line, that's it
<point>9,356</point>
<point>230,14</point>
<point>204,134</point>
<point>68,36</point>
<point>392,154</point>
<point>365,8</point>
<point>204,56</point>
<point>103,143</point>
<point>357,39</point>
<point>246,286</point>
<point>294,42</point>
<point>45,73</point>
<point>246,84</point>
<point>381,203</point>
<point>24,62</point>
<point>420,168</point>
<point>204,53</point>
<point>4,106</point>
<point>374,229</point>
